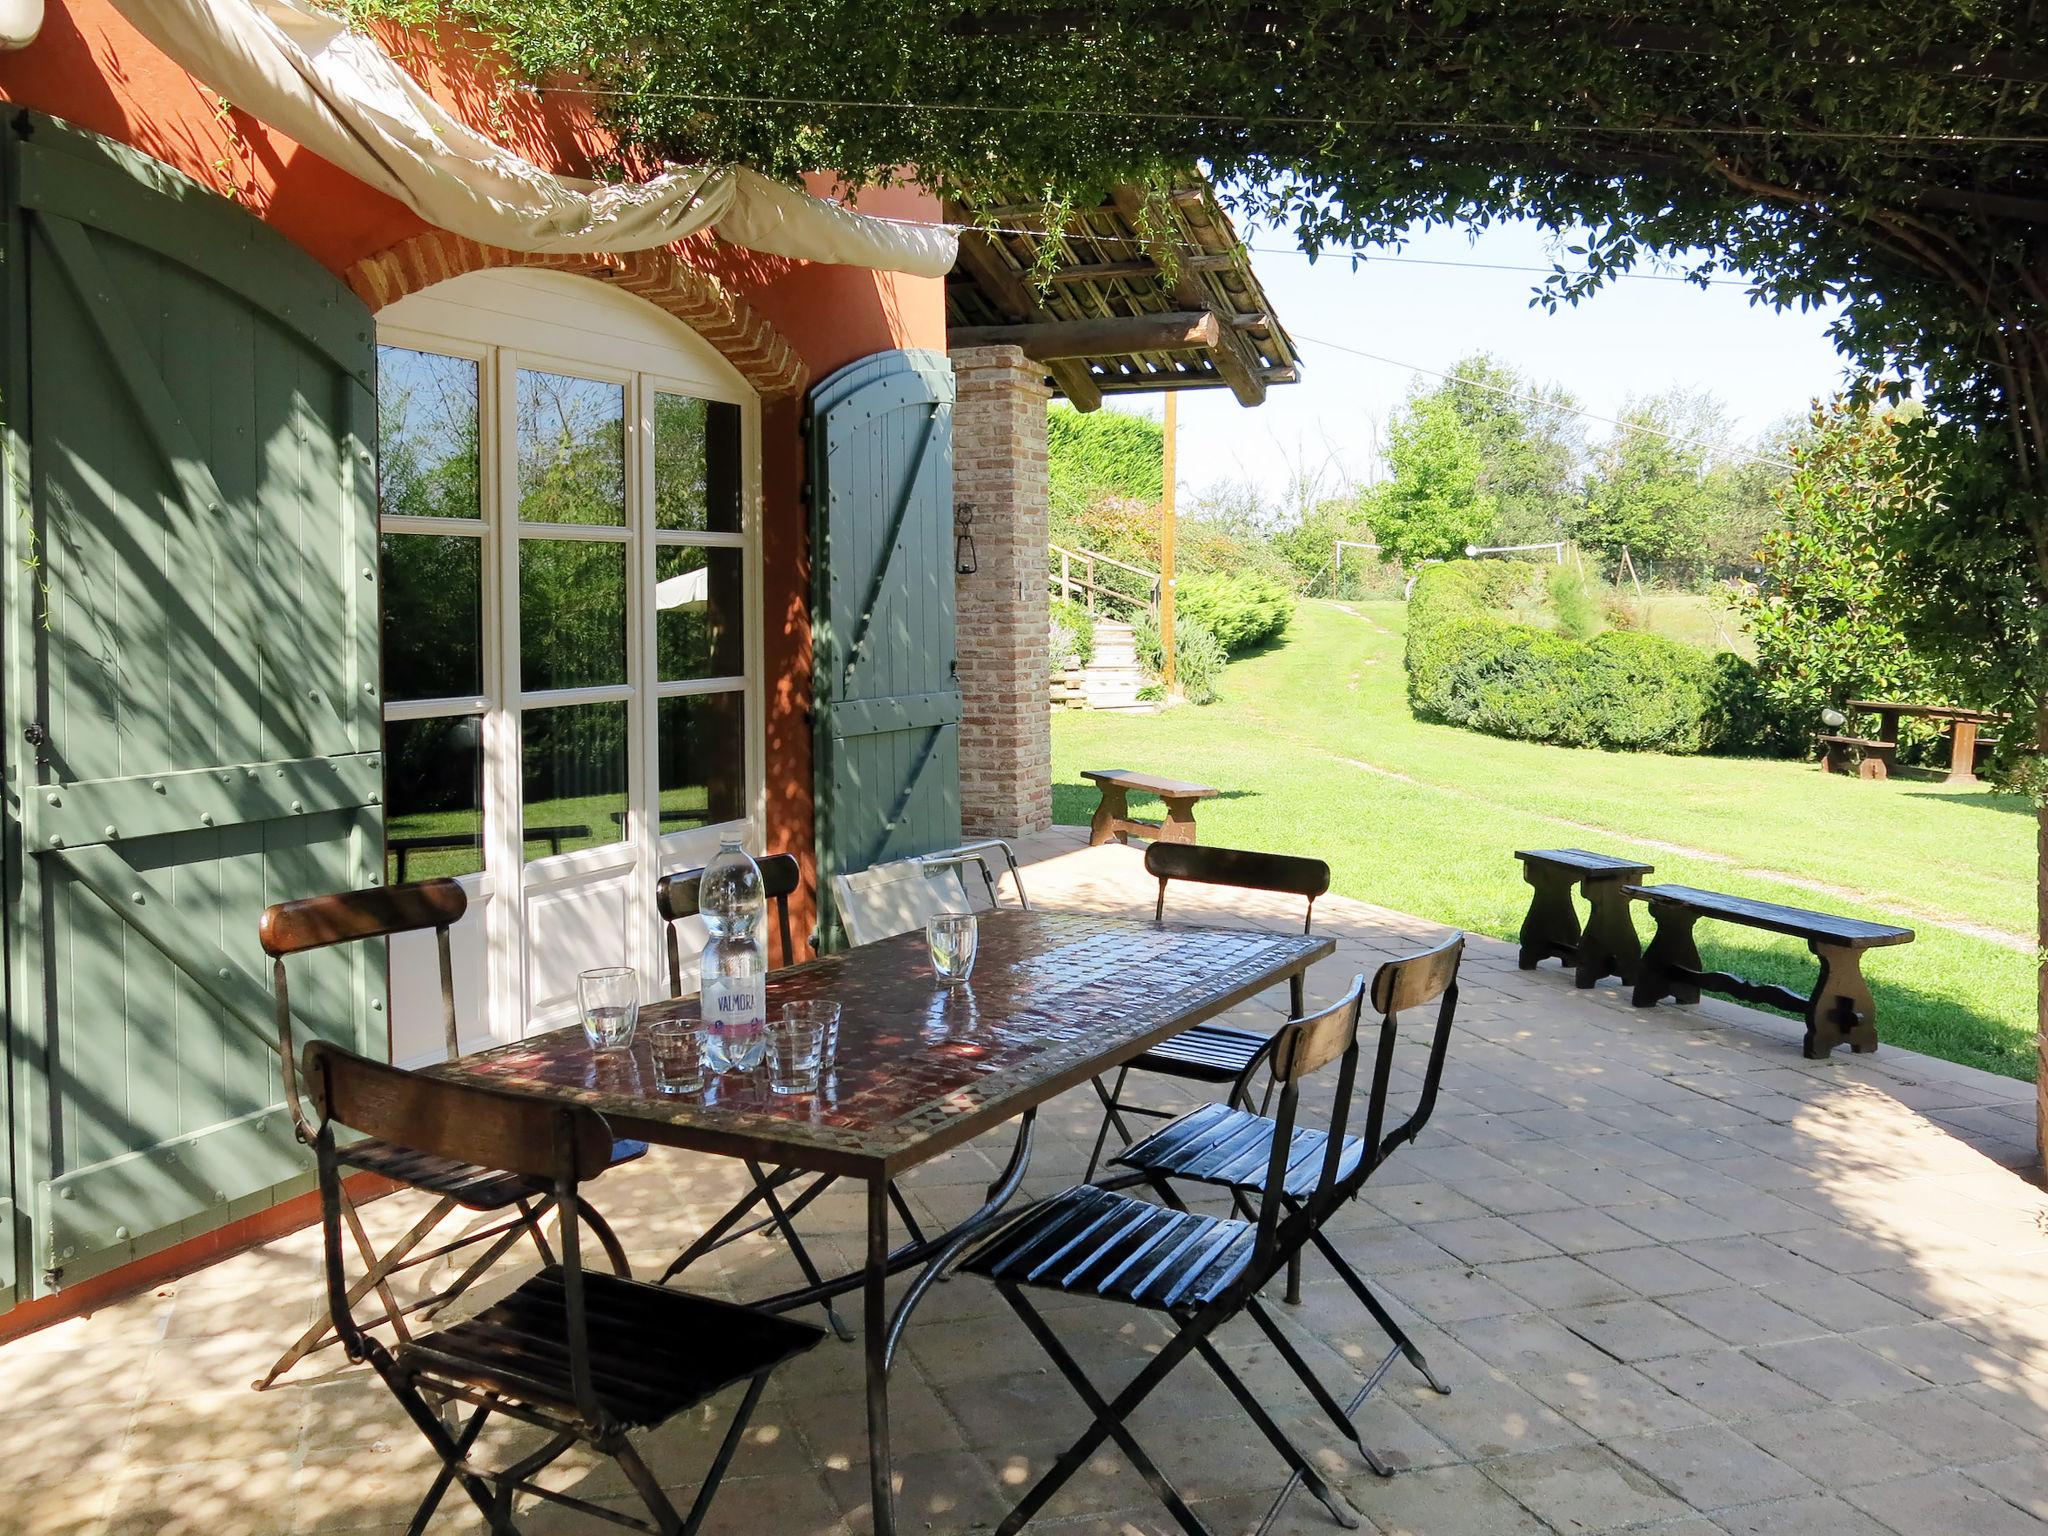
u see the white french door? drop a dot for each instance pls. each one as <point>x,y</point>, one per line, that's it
<point>569,496</point>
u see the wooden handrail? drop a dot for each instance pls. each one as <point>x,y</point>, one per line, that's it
<point>1066,583</point>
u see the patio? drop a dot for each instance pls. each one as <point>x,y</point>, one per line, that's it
<point>1676,1276</point>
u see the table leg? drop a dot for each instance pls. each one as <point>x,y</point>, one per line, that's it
<point>1610,946</point>
<point>1551,926</point>
<point>1179,826</point>
<point>875,1343</point>
<point>1962,752</point>
<point>1114,807</point>
<point>1841,1007</point>
<point>1672,954</point>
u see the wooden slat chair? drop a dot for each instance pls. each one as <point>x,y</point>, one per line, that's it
<point>1197,1271</point>
<point>1229,1148</point>
<point>318,922</point>
<point>1210,1053</point>
<point>585,1357</point>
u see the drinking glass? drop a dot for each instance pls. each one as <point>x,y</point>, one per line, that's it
<point>952,937</point>
<point>795,1047</point>
<point>611,1006</point>
<point>677,1046</point>
<point>823,1015</point>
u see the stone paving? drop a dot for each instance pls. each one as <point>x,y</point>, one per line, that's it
<point>1679,1280</point>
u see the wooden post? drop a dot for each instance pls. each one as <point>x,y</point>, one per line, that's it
<point>1167,472</point>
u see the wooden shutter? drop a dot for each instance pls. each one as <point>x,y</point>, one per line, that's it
<point>191,706</point>
<point>887,741</point>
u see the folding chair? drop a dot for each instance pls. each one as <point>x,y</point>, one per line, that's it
<point>887,899</point>
<point>1211,1053</point>
<point>1197,1271</point>
<point>295,927</point>
<point>585,1357</point>
<point>1228,1148</point>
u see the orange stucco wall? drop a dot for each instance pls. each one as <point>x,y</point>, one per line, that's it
<point>92,69</point>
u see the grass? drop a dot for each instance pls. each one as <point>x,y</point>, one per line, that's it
<point>1317,753</point>
<point>581,821</point>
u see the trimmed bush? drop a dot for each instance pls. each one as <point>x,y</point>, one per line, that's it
<point>1620,690</point>
<point>1073,634</point>
<point>1198,657</point>
<point>1239,611</point>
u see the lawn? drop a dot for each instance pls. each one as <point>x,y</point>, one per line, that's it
<point>1316,752</point>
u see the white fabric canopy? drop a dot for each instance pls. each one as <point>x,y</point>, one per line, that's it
<point>336,92</point>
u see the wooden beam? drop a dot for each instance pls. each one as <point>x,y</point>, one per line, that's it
<point>1007,291</point>
<point>1232,354</point>
<point>1116,336</point>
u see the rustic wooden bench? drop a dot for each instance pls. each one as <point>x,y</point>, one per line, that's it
<point>1607,944</point>
<point>1840,1007</point>
<point>1865,757</point>
<point>1113,814</point>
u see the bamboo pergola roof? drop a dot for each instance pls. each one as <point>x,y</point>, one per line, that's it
<point>1141,299</point>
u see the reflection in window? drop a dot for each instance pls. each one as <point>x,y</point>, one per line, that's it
<point>699,612</point>
<point>696,465</point>
<point>426,435</point>
<point>572,449</point>
<point>433,616</point>
<point>703,760</point>
<point>433,797</point>
<point>573,762</point>
<point>572,614</point>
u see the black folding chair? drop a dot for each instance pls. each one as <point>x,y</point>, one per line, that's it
<point>295,927</point>
<point>1198,1271</point>
<point>585,1357</point>
<point>1211,1053</point>
<point>677,897</point>
<point>1229,1148</point>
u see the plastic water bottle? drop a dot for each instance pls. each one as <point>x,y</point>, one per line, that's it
<point>733,971</point>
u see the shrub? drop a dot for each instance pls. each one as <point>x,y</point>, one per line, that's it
<point>1620,690</point>
<point>1198,657</point>
<point>1239,612</point>
<point>1577,610</point>
<point>1073,634</point>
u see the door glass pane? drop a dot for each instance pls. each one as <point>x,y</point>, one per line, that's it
<point>696,465</point>
<point>426,435</point>
<point>572,449</point>
<point>433,616</point>
<point>703,759</point>
<point>434,798</point>
<point>573,761</point>
<point>699,612</point>
<point>572,614</point>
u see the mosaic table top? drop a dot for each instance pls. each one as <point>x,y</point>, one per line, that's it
<point>1055,998</point>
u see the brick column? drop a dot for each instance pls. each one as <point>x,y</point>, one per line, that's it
<point>1004,624</point>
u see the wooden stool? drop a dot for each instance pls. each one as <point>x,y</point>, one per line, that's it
<point>1607,946</point>
<point>1113,814</point>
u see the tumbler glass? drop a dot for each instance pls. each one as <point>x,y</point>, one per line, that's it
<point>952,937</point>
<point>823,1015</point>
<point>794,1049</point>
<point>610,997</point>
<point>677,1046</point>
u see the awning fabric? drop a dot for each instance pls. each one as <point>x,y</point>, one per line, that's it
<point>302,71</point>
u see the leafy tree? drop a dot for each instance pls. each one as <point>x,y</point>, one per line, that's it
<point>1824,610</point>
<point>1532,448</point>
<point>1309,546</point>
<point>1648,491</point>
<point>1434,505</point>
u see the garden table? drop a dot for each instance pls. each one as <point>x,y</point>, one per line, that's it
<point>1056,999</point>
<point>1961,724</point>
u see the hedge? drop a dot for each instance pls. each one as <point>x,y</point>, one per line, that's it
<point>1626,691</point>
<point>1241,611</point>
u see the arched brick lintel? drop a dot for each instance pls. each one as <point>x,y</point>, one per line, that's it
<point>764,358</point>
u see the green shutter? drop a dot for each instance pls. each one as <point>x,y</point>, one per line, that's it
<point>191,699</point>
<point>887,741</point>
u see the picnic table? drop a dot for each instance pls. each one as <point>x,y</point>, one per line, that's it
<point>1965,748</point>
<point>1113,820</point>
<point>1057,999</point>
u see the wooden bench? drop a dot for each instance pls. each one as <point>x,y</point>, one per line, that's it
<point>1607,945</point>
<point>1113,814</point>
<point>1840,1007</point>
<point>1865,757</point>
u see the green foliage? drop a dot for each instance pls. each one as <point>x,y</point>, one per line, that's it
<point>1435,504</point>
<point>1531,444</point>
<point>1091,455</point>
<point>1824,609</point>
<point>1240,612</point>
<point>1198,658</point>
<point>1073,634</point>
<point>1577,610</point>
<point>1308,546</point>
<point>1621,690</point>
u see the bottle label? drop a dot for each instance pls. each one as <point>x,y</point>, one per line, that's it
<point>736,1002</point>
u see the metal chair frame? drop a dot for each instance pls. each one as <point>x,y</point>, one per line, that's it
<point>1278,1228</point>
<point>939,880</point>
<point>519,1377</point>
<point>1413,981</point>
<point>382,913</point>
<point>1241,870</point>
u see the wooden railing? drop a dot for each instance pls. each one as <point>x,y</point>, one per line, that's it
<point>1065,583</point>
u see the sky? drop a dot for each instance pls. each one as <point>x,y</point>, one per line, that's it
<point>1635,337</point>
